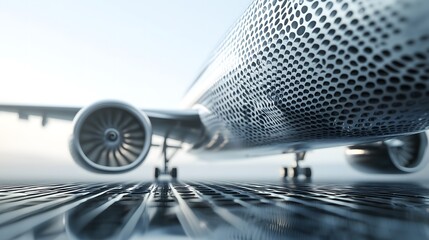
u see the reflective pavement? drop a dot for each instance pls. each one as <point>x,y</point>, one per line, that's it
<point>214,210</point>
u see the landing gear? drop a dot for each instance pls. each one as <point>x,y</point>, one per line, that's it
<point>172,173</point>
<point>165,170</point>
<point>157,172</point>
<point>297,170</point>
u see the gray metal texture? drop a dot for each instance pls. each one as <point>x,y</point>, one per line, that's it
<point>318,71</point>
<point>227,210</point>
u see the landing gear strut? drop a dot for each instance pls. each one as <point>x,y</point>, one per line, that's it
<point>165,170</point>
<point>297,170</point>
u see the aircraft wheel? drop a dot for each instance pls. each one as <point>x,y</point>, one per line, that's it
<point>307,172</point>
<point>295,172</point>
<point>285,172</point>
<point>157,172</point>
<point>173,173</point>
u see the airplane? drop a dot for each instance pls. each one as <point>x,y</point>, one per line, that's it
<point>290,76</point>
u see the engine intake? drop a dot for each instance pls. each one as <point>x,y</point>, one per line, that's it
<point>406,154</point>
<point>110,136</point>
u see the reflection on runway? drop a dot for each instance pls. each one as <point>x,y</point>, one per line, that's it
<point>218,210</point>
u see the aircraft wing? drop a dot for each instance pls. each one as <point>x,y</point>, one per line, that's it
<point>182,125</point>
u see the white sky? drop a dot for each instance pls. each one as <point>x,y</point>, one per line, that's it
<point>76,52</point>
<point>146,53</point>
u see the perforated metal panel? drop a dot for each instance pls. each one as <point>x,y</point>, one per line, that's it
<point>292,71</point>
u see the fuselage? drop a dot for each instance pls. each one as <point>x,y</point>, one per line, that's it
<point>295,75</point>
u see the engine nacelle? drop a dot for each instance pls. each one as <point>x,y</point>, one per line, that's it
<point>406,154</point>
<point>110,137</point>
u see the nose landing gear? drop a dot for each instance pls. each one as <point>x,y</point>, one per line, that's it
<point>165,170</point>
<point>297,170</point>
<point>172,172</point>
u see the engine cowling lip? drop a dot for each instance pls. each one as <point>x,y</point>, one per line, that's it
<point>84,113</point>
<point>422,156</point>
<point>376,158</point>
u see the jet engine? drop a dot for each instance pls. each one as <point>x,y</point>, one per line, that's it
<point>405,154</point>
<point>110,137</point>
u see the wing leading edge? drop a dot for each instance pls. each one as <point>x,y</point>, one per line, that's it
<point>182,125</point>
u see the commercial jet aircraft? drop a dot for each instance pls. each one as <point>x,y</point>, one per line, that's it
<point>289,77</point>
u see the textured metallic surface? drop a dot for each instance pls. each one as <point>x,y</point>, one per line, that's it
<point>227,210</point>
<point>318,71</point>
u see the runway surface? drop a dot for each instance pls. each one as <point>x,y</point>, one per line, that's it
<point>215,210</point>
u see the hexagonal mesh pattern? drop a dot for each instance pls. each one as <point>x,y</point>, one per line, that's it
<point>293,71</point>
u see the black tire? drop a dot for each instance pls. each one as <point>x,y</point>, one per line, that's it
<point>173,173</point>
<point>157,172</point>
<point>285,172</point>
<point>307,172</point>
<point>295,172</point>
